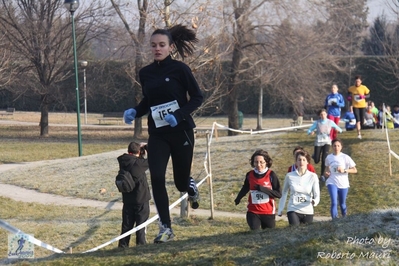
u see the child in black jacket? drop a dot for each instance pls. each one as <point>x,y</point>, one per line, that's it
<point>136,205</point>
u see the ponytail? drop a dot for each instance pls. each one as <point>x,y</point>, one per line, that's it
<point>182,37</point>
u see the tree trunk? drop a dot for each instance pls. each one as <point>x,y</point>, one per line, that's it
<point>138,124</point>
<point>232,102</point>
<point>260,109</point>
<point>232,105</point>
<point>44,118</point>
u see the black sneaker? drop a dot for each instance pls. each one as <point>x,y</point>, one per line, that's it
<point>194,200</point>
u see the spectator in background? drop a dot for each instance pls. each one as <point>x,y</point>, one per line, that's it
<point>333,104</point>
<point>357,95</point>
<point>300,110</point>
<point>263,187</point>
<point>369,119</point>
<point>389,118</point>
<point>395,114</point>
<point>374,109</point>
<point>350,120</point>
<point>381,122</point>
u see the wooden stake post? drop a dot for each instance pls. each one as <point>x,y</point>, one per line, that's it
<point>208,151</point>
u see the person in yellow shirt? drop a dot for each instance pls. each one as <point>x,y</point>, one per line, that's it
<point>357,95</point>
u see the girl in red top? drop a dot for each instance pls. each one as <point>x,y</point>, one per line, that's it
<point>294,166</point>
<point>264,187</point>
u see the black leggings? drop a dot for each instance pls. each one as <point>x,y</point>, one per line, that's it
<point>359,114</point>
<point>180,146</point>
<point>257,221</point>
<point>323,151</point>
<point>298,218</point>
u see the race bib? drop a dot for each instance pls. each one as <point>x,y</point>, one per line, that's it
<point>300,198</point>
<point>159,112</point>
<point>334,169</point>
<point>258,197</point>
<point>369,122</point>
<point>323,137</point>
<point>357,98</point>
<point>331,101</point>
<point>352,122</point>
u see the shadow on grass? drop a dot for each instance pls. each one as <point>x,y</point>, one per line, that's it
<point>362,236</point>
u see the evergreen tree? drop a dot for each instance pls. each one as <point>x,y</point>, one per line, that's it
<point>379,41</point>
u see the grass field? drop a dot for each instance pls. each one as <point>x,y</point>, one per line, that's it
<point>372,201</point>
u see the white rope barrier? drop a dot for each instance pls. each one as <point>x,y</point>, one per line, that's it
<point>29,238</point>
<point>37,242</point>
<point>394,154</point>
<point>154,218</point>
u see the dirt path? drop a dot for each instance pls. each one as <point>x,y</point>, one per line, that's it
<point>29,195</point>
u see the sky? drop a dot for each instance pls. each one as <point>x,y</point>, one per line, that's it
<point>378,7</point>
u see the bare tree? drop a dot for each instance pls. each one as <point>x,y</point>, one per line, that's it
<point>207,62</point>
<point>40,34</point>
<point>137,39</point>
<point>6,68</point>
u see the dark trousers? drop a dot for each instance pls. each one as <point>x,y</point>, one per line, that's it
<point>359,114</point>
<point>179,146</point>
<point>134,214</point>
<point>298,218</point>
<point>257,221</point>
<point>321,152</point>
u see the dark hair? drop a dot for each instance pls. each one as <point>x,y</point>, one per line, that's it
<point>297,148</point>
<point>265,155</point>
<point>336,140</point>
<point>358,77</point>
<point>321,110</point>
<point>182,37</point>
<point>133,148</point>
<point>304,154</point>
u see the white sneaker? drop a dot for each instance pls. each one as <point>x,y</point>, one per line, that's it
<point>359,136</point>
<point>165,234</point>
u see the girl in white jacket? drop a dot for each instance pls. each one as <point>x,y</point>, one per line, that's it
<point>304,189</point>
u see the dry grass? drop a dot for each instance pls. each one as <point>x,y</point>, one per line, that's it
<point>92,119</point>
<point>200,241</point>
<point>210,242</point>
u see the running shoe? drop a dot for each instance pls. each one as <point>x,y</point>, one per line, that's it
<point>165,234</point>
<point>359,136</point>
<point>194,200</point>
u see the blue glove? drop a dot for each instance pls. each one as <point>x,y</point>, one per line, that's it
<point>171,119</point>
<point>129,115</point>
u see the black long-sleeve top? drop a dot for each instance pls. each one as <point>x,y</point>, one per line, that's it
<point>275,192</point>
<point>165,81</point>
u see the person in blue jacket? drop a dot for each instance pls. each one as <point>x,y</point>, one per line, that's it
<point>333,104</point>
<point>350,120</point>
